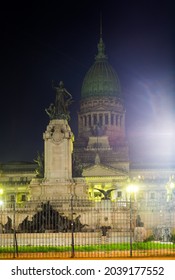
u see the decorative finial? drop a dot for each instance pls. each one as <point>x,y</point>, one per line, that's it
<point>100,24</point>
<point>101,46</point>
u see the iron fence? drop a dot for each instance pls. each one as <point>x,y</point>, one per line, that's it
<point>81,228</point>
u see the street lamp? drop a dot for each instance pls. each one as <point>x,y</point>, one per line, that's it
<point>170,187</point>
<point>131,189</point>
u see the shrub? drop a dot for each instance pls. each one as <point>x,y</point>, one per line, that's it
<point>172,238</point>
<point>149,238</point>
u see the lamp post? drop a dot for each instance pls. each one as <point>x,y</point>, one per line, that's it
<point>1,204</point>
<point>72,229</point>
<point>131,189</point>
<point>1,227</point>
<point>15,243</point>
<point>1,201</point>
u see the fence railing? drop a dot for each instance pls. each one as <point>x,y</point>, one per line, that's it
<point>77,227</point>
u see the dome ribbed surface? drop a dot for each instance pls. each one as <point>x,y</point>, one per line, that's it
<point>101,80</point>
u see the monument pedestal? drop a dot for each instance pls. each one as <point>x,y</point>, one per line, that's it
<point>56,189</point>
<point>58,147</point>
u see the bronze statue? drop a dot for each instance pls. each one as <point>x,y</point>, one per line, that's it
<point>40,168</point>
<point>51,111</point>
<point>7,228</point>
<point>63,99</point>
<point>139,223</point>
<point>105,193</point>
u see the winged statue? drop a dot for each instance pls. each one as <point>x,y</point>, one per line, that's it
<point>105,193</point>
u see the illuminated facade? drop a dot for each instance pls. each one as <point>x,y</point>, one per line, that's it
<point>15,178</point>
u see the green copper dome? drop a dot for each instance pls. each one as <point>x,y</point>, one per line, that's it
<point>101,79</point>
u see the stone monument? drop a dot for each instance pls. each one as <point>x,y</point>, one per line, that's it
<point>58,146</point>
<point>58,138</point>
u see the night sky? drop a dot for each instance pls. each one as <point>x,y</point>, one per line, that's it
<point>57,43</point>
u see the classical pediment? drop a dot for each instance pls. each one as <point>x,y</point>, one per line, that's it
<point>99,170</point>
